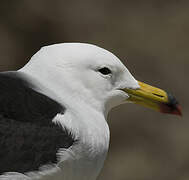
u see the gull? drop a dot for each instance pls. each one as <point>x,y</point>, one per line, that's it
<point>53,123</point>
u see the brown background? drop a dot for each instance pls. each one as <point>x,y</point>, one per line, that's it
<point>151,37</point>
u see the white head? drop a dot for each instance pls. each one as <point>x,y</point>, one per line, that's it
<point>86,72</point>
<point>89,81</point>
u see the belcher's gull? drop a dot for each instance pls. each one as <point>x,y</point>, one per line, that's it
<point>53,111</point>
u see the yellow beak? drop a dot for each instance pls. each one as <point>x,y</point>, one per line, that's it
<point>154,98</point>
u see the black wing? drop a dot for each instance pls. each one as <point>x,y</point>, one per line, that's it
<point>28,138</point>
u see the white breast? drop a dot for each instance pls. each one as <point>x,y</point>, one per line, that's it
<point>85,159</point>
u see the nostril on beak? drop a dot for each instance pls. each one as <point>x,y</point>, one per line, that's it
<point>157,95</point>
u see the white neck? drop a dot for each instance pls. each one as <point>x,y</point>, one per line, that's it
<point>85,159</point>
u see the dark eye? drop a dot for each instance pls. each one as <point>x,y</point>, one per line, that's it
<point>105,71</point>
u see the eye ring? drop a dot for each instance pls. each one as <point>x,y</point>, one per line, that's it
<point>105,71</point>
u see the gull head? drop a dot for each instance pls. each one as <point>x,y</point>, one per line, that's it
<point>93,76</point>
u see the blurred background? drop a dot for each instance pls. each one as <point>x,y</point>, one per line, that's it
<point>151,37</point>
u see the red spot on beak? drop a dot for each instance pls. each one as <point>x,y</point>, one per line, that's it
<point>178,110</point>
<point>171,109</point>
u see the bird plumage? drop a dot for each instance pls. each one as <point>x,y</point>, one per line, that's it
<point>29,139</point>
<point>53,123</point>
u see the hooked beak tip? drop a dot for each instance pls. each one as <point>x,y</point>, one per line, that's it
<point>166,108</point>
<point>172,107</point>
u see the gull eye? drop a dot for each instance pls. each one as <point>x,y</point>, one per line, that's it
<point>105,71</point>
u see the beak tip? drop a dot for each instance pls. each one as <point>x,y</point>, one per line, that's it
<point>176,109</point>
<point>172,107</point>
